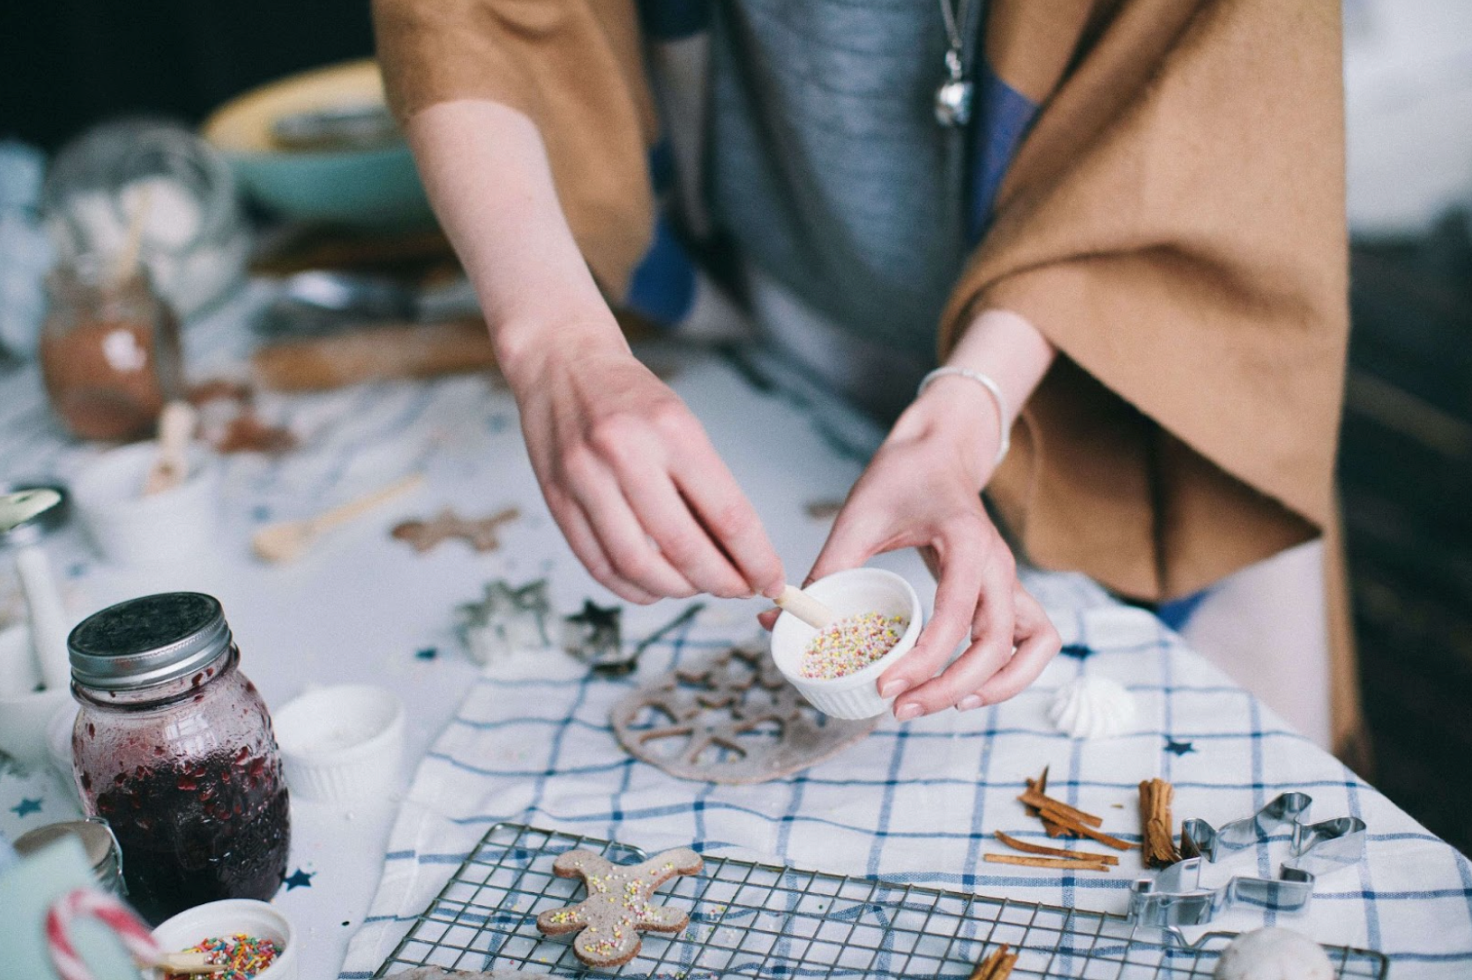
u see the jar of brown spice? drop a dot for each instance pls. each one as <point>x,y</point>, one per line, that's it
<point>109,350</point>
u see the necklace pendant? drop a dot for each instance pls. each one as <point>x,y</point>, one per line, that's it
<point>953,102</point>
<point>953,98</point>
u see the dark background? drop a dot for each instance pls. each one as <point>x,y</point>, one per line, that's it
<point>1406,459</point>
<point>65,64</point>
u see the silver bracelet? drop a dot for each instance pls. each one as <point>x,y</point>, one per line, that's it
<point>993,389</point>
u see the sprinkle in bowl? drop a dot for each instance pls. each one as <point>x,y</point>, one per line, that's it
<point>876,595</point>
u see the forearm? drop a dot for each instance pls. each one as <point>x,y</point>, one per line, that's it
<point>1012,352</point>
<point>486,171</point>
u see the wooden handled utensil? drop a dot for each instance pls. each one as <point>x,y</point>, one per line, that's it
<point>188,964</point>
<point>175,429</point>
<point>287,540</point>
<point>804,607</point>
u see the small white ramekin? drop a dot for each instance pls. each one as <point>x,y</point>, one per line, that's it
<point>848,593</point>
<point>342,744</point>
<point>228,917</point>
<point>131,529</point>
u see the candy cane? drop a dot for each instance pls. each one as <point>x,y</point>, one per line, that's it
<point>105,909</point>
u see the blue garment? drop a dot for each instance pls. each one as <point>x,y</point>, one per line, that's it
<point>826,164</point>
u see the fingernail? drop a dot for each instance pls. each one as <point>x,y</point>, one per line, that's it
<point>906,712</point>
<point>894,688</point>
<point>969,702</point>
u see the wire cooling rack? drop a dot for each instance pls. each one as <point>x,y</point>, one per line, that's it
<point>761,921</point>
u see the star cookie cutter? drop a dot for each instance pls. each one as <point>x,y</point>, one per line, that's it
<point>508,619</point>
<point>594,635</point>
<point>1175,896</point>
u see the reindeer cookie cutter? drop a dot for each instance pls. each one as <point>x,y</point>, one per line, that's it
<point>1175,896</point>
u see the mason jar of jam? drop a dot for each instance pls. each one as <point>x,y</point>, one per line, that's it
<point>174,749</point>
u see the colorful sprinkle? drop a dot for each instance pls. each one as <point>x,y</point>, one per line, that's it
<point>242,956</point>
<point>851,644</point>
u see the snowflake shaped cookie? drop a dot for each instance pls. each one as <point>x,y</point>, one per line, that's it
<point>620,903</point>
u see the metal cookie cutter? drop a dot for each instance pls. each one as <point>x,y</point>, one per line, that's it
<point>1175,897</point>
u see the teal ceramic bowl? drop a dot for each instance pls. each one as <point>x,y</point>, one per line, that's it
<point>375,186</point>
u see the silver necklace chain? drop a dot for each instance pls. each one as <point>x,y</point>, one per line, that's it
<point>951,16</point>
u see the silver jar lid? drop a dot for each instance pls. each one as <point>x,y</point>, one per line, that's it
<point>148,641</point>
<point>97,841</point>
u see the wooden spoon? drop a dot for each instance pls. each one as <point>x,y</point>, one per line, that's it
<point>287,540</point>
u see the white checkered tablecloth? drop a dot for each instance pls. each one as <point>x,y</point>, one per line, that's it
<point>918,803</point>
<point>528,740</point>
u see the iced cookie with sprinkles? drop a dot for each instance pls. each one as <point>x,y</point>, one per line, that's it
<point>620,903</point>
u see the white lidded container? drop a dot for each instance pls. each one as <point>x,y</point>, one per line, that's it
<point>849,593</point>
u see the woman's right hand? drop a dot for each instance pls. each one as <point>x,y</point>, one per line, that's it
<point>631,478</point>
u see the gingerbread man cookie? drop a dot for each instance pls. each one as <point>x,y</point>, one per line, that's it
<point>619,905</point>
<point>481,534</point>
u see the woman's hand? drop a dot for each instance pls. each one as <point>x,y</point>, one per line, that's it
<point>628,473</point>
<point>923,490</point>
<point>632,480</point>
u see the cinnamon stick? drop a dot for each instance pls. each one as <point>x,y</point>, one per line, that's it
<point>1073,826</point>
<point>997,966</point>
<point>1158,848</point>
<point>1023,845</point>
<point>1041,786</point>
<point>1044,803</point>
<point>1030,861</point>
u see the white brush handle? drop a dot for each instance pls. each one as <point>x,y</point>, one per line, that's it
<point>804,607</point>
<point>48,616</point>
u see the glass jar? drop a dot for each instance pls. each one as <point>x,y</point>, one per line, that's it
<point>109,351</point>
<point>174,748</point>
<point>156,184</point>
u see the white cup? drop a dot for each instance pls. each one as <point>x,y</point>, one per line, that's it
<point>848,593</point>
<point>227,918</point>
<point>131,529</point>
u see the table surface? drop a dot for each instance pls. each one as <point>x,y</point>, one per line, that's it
<point>527,739</point>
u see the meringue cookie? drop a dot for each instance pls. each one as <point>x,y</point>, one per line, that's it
<point>1092,707</point>
<point>1273,954</point>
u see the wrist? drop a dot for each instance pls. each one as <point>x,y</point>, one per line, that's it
<point>959,417</point>
<point>527,349</point>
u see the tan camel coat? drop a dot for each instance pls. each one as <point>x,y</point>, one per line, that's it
<point>1173,222</point>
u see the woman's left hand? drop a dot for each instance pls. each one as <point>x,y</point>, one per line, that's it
<point>922,490</point>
